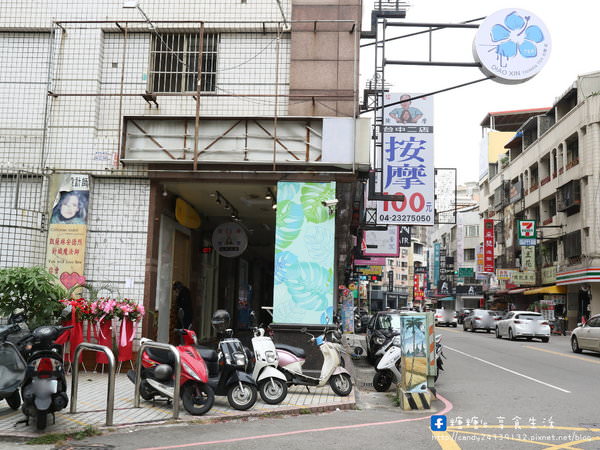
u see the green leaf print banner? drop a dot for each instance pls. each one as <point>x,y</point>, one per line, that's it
<point>304,254</point>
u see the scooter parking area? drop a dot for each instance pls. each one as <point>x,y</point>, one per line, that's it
<point>92,399</point>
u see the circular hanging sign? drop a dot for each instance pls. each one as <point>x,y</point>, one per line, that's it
<point>229,240</point>
<point>513,45</point>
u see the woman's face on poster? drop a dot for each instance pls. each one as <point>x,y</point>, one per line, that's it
<point>70,207</point>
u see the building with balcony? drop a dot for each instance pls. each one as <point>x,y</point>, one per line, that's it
<point>203,142</point>
<point>550,172</point>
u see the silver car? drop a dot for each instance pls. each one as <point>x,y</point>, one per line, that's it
<point>480,319</point>
<point>525,324</point>
<point>587,337</point>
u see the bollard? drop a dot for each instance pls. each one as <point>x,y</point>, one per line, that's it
<point>110,395</point>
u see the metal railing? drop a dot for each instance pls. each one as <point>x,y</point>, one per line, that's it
<point>110,396</point>
<point>176,380</point>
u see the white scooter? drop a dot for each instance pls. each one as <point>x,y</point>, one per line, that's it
<point>388,369</point>
<point>292,358</point>
<point>272,383</point>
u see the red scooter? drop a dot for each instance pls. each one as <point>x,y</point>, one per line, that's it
<point>158,380</point>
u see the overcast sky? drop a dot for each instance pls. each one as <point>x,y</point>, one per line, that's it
<point>573,27</point>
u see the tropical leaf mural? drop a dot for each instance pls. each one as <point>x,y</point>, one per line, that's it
<point>290,217</point>
<point>283,260</point>
<point>312,196</point>
<point>308,284</point>
<point>304,253</point>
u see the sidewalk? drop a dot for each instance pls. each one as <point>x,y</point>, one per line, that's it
<point>91,408</point>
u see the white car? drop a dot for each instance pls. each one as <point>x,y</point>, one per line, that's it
<point>587,337</point>
<point>525,324</point>
<point>446,317</point>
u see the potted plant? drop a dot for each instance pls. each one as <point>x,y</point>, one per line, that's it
<point>34,291</point>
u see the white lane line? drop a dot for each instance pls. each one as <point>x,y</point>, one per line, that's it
<point>509,370</point>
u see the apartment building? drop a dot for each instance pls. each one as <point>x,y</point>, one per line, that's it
<point>550,172</point>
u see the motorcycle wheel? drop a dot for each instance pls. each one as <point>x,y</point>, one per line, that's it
<point>341,384</point>
<point>382,381</point>
<point>146,391</point>
<point>41,420</point>
<point>14,400</point>
<point>242,398</point>
<point>197,398</point>
<point>273,390</point>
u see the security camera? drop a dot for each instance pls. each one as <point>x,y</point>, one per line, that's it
<point>330,203</point>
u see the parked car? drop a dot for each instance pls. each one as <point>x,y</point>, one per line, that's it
<point>480,319</point>
<point>587,337</point>
<point>446,317</point>
<point>383,325</point>
<point>525,324</point>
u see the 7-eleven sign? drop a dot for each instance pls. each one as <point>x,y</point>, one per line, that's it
<point>527,229</point>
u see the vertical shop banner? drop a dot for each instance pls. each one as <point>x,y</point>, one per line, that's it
<point>67,232</point>
<point>480,258</point>
<point>404,236</point>
<point>304,253</point>
<point>460,243</point>
<point>436,263</point>
<point>528,258</point>
<point>488,245</point>
<point>407,161</point>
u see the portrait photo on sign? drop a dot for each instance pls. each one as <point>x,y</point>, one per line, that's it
<point>71,208</point>
<point>404,111</point>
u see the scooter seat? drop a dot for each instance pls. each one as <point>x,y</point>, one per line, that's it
<point>208,354</point>
<point>161,356</point>
<point>293,350</point>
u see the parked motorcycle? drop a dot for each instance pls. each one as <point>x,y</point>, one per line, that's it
<point>12,364</point>
<point>388,368</point>
<point>227,368</point>
<point>158,375</point>
<point>44,389</point>
<point>291,360</point>
<point>272,384</point>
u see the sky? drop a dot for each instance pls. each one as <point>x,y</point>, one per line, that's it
<point>573,28</point>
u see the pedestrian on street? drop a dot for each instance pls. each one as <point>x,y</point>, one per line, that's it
<point>183,299</point>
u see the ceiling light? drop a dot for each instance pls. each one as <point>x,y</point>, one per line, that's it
<point>274,206</point>
<point>268,194</point>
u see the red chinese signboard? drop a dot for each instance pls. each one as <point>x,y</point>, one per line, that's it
<point>488,245</point>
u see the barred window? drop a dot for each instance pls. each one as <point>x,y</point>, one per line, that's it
<point>174,62</point>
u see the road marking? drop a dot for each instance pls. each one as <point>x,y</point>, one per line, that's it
<point>509,370</point>
<point>447,407</point>
<point>569,444</point>
<point>562,354</point>
<point>445,440</point>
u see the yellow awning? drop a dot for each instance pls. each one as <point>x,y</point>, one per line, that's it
<point>547,290</point>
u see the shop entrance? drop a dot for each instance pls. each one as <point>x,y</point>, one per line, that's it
<point>224,256</point>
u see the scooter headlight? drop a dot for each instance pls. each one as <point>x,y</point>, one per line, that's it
<point>271,357</point>
<point>190,371</point>
<point>397,341</point>
<point>379,340</point>
<point>239,359</point>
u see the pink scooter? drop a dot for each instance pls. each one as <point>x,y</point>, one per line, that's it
<point>292,358</point>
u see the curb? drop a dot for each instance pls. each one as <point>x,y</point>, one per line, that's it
<point>292,411</point>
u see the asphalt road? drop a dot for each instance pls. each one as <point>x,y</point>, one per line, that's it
<point>496,394</point>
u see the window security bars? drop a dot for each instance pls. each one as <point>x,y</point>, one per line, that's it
<point>174,62</point>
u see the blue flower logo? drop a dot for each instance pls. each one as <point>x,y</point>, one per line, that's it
<point>516,35</point>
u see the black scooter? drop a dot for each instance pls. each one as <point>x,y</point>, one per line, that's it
<point>44,389</point>
<point>12,364</point>
<point>228,366</point>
